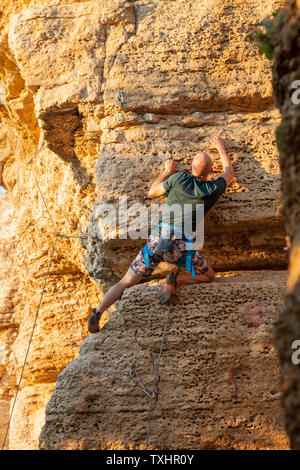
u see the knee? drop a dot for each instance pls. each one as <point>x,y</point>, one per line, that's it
<point>129,281</point>
<point>211,275</point>
<point>125,283</point>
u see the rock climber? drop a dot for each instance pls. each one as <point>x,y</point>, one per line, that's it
<point>181,188</point>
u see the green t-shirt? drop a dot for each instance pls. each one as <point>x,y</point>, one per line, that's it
<point>186,189</point>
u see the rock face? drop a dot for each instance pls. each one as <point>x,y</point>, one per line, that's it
<point>181,88</point>
<point>8,292</point>
<point>188,73</point>
<point>218,384</point>
<point>286,86</point>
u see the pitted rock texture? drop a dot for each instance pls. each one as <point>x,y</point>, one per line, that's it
<point>26,241</point>
<point>217,386</point>
<point>8,299</point>
<point>181,87</point>
<point>29,416</point>
<point>286,86</point>
<point>188,73</point>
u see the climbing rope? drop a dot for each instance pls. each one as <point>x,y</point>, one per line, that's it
<point>45,204</point>
<point>36,154</point>
<point>29,343</point>
<point>133,374</point>
<point>156,372</point>
<point>151,392</point>
<point>9,83</point>
<point>120,100</point>
<point>57,235</point>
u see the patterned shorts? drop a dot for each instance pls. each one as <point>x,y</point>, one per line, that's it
<point>138,266</point>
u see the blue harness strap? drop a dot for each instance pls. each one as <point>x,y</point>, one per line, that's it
<point>185,259</point>
<point>188,259</point>
<point>148,254</point>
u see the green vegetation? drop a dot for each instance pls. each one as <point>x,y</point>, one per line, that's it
<point>282,133</point>
<point>266,39</point>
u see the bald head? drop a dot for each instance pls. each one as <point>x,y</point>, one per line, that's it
<point>201,165</point>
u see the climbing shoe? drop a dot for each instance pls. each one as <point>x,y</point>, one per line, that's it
<point>169,288</point>
<point>93,321</point>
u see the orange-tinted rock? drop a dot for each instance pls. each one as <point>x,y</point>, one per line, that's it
<point>188,73</point>
<point>218,382</point>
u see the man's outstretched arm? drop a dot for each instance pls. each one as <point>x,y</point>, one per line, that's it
<point>228,174</point>
<point>157,189</point>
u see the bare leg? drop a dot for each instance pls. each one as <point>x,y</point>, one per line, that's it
<point>183,279</point>
<point>130,279</point>
<point>114,293</point>
<point>186,278</point>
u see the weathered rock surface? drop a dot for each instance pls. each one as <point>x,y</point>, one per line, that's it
<point>29,416</point>
<point>195,83</point>
<point>286,87</point>
<point>8,291</point>
<point>218,379</point>
<point>187,72</point>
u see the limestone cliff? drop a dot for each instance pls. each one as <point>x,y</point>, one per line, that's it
<point>188,73</point>
<point>286,86</point>
<point>218,385</point>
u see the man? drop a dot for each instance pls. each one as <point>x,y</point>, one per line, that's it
<point>182,188</point>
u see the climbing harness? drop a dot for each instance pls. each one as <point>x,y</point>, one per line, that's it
<point>120,100</point>
<point>187,259</point>
<point>166,244</point>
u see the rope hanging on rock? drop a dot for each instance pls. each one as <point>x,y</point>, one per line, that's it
<point>29,343</point>
<point>120,100</point>
<point>151,392</point>
<point>57,235</point>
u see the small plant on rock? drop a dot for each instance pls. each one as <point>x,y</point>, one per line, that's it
<point>266,39</point>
